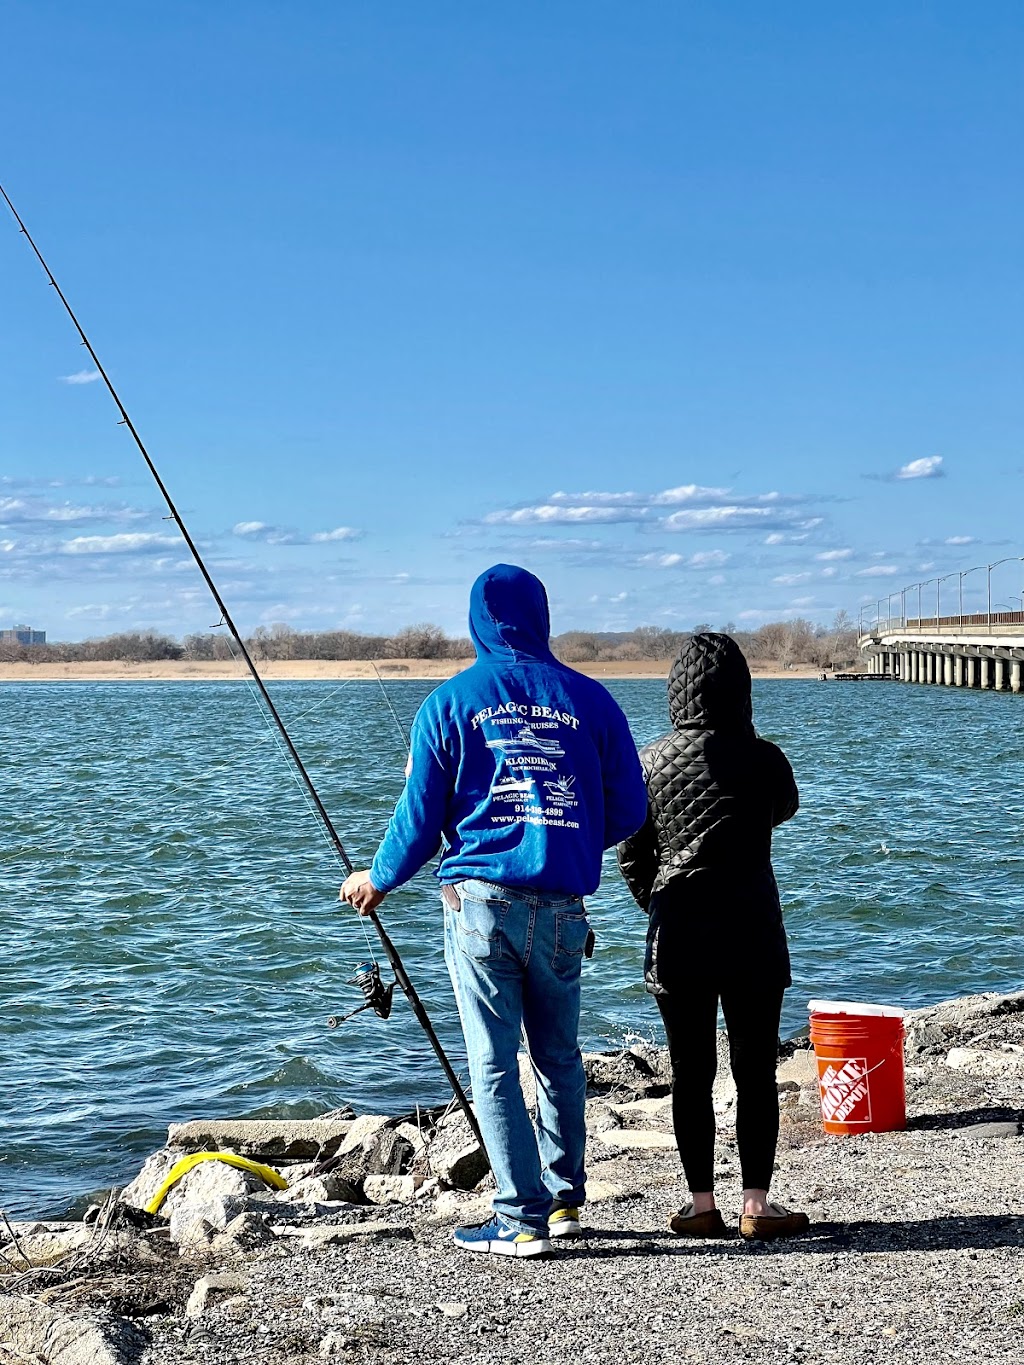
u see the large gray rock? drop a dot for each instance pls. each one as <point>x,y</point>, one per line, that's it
<point>328,1188</point>
<point>35,1244</point>
<point>363,1133</point>
<point>621,1076</point>
<point>454,1155</point>
<point>245,1233</point>
<point>988,1020</point>
<point>390,1154</point>
<point>978,1061</point>
<point>37,1333</point>
<point>155,1169</point>
<point>206,1198</point>
<point>263,1139</point>
<point>390,1189</point>
<point>220,1283</point>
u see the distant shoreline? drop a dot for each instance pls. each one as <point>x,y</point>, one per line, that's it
<point>327,670</point>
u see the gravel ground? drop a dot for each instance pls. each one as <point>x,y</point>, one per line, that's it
<point>916,1251</point>
<point>915,1255</point>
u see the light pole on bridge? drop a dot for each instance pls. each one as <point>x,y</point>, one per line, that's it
<point>1010,559</point>
<point>939,581</point>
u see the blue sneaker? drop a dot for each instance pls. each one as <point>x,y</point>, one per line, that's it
<point>500,1238</point>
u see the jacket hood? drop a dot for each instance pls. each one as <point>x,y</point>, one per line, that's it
<point>709,685</point>
<point>508,614</point>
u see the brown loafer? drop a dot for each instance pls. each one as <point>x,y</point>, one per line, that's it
<point>769,1227</point>
<point>686,1223</point>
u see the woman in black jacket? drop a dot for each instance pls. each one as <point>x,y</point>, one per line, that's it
<point>701,868</point>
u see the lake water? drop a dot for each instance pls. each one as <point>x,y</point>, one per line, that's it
<point>173,944</point>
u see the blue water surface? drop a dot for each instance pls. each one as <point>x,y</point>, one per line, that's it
<point>173,943</point>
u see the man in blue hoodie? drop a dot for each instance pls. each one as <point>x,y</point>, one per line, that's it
<point>525,771</point>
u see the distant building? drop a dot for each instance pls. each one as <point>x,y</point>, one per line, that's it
<point>22,635</point>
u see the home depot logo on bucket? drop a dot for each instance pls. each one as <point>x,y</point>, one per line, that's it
<point>845,1093</point>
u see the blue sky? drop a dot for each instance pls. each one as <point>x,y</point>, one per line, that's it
<point>704,312</point>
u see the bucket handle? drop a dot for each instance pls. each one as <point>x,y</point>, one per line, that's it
<point>898,1044</point>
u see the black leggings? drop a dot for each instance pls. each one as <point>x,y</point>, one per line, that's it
<point>691,1024</point>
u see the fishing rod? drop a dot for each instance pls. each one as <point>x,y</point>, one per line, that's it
<point>377,1001</point>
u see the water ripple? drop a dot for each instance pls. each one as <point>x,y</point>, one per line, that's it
<point>173,943</point>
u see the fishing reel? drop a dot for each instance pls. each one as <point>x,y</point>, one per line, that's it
<point>376,996</point>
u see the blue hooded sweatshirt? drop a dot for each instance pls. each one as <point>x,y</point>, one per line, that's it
<point>523,767</point>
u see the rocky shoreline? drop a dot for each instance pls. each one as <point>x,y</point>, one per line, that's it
<point>915,1250</point>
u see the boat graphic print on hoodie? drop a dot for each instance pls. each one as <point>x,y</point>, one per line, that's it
<point>525,768</point>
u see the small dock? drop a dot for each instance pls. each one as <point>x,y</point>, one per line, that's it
<point>861,677</point>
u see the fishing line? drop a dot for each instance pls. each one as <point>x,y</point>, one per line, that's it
<point>391,952</point>
<point>401,728</point>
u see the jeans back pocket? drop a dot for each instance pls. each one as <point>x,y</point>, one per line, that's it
<point>572,931</point>
<point>479,923</point>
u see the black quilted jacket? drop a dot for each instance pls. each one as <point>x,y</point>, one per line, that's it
<point>701,864</point>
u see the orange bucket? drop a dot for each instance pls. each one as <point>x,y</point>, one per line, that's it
<point>859,1052</point>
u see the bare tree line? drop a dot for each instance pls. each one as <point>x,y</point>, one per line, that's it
<point>783,643</point>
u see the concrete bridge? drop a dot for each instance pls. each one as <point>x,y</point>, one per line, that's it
<point>984,650</point>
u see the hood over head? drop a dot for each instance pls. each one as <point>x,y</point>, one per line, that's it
<point>709,685</point>
<point>508,614</point>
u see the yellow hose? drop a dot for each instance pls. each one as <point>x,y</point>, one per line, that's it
<point>186,1163</point>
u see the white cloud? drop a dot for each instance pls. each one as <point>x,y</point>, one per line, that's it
<point>40,512</point>
<point>92,611</point>
<point>559,544</point>
<point>701,507</point>
<point>930,467</point>
<point>249,528</point>
<point>834,554</point>
<point>691,492</point>
<point>339,533</point>
<point>120,544</point>
<point>731,517</point>
<point>702,559</point>
<point>879,571</point>
<point>81,377</point>
<point>789,580</point>
<point>960,540</point>
<point>550,514</point>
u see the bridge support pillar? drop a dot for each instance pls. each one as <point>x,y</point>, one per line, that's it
<point>905,666</point>
<point>1014,675</point>
<point>947,670</point>
<point>958,670</point>
<point>918,666</point>
<point>984,680</point>
<point>930,668</point>
<point>972,671</point>
<point>999,669</point>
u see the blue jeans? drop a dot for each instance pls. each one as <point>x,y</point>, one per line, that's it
<point>515,956</point>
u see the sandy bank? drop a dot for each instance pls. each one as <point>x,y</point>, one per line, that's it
<point>319,670</point>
